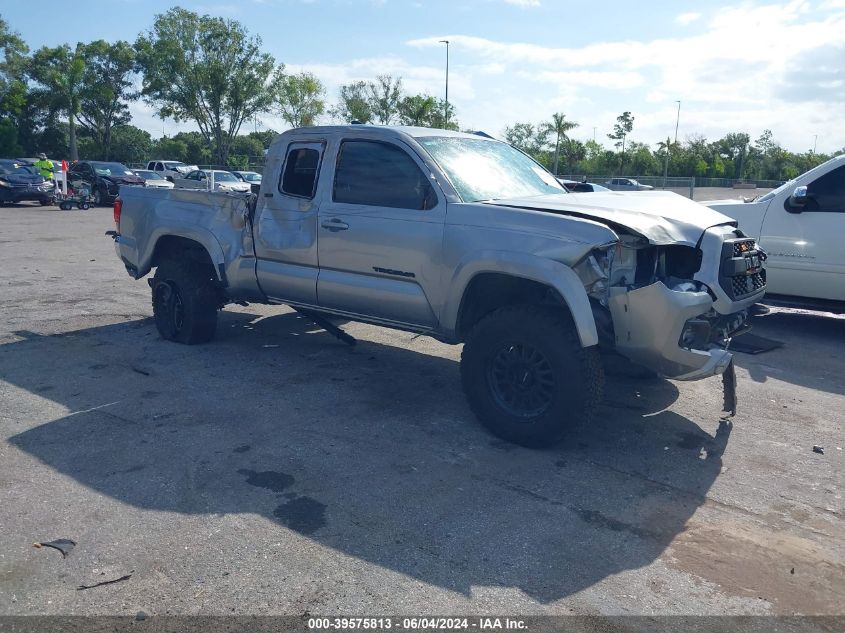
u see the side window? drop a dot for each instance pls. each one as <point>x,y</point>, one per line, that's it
<point>380,175</point>
<point>299,176</point>
<point>828,191</point>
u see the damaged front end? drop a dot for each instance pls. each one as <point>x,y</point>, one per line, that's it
<point>674,308</point>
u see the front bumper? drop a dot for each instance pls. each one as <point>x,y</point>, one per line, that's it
<point>22,194</point>
<point>648,323</point>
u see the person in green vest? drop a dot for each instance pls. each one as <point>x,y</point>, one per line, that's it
<point>45,167</point>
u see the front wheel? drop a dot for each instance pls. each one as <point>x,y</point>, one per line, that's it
<point>185,302</point>
<point>96,197</point>
<point>526,376</point>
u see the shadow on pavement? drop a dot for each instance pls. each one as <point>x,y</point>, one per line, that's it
<point>370,451</point>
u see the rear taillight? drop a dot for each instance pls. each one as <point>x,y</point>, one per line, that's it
<point>118,207</point>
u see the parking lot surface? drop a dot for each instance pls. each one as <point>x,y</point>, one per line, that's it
<point>278,471</point>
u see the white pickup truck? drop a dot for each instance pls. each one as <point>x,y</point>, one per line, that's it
<point>800,225</point>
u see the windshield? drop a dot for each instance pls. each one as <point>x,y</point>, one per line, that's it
<point>111,169</point>
<point>224,176</point>
<point>149,175</point>
<point>251,176</point>
<point>174,165</point>
<point>481,169</point>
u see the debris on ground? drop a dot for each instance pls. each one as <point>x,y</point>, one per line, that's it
<point>64,545</point>
<point>143,372</point>
<point>818,449</point>
<point>106,582</point>
<point>140,616</point>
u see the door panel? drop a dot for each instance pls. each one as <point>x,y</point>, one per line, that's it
<point>286,225</point>
<point>805,257</point>
<point>378,254</point>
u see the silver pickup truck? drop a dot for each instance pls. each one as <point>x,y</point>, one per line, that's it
<point>465,239</point>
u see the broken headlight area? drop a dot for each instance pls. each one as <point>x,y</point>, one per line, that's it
<point>713,330</point>
<point>632,262</point>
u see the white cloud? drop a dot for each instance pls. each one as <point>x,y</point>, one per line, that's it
<point>750,66</point>
<point>687,18</point>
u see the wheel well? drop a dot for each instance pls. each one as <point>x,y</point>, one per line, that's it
<point>490,291</point>
<point>175,247</point>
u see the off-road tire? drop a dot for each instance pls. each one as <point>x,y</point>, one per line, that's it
<point>571,376</point>
<point>185,301</point>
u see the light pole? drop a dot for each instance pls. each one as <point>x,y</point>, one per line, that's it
<point>677,121</point>
<point>666,166</point>
<point>815,138</point>
<point>446,109</point>
<point>594,134</point>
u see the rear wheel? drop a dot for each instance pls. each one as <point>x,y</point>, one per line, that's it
<point>526,376</point>
<point>185,301</point>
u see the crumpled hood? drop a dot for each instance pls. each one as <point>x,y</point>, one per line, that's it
<point>125,180</point>
<point>662,217</point>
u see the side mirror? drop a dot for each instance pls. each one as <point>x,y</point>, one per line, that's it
<point>799,199</point>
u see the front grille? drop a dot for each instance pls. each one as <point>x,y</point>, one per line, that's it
<point>741,273</point>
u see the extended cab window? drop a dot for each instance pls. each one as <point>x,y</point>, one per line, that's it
<point>827,192</point>
<point>380,175</point>
<point>300,174</point>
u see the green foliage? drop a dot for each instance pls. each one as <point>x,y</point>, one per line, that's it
<point>107,86</point>
<point>558,127</point>
<point>167,148</point>
<point>60,73</point>
<point>384,95</point>
<point>131,144</point>
<point>207,70</point>
<point>9,139</point>
<point>621,129</point>
<point>354,104</point>
<point>265,137</point>
<point>300,99</point>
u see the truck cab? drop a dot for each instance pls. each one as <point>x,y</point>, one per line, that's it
<point>800,225</point>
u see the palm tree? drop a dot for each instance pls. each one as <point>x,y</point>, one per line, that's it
<point>60,71</point>
<point>559,126</point>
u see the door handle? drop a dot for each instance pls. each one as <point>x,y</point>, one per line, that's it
<point>334,225</point>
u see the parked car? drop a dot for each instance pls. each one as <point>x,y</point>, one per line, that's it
<point>800,225</point>
<point>575,186</point>
<point>464,239</point>
<point>626,184</point>
<point>223,181</point>
<point>153,179</point>
<point>20,181</point>
<point>102,179</point>
<point>252,177</point>
<point>171,169</point>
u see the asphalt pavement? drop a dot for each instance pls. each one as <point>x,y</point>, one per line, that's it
<point>278,471</point>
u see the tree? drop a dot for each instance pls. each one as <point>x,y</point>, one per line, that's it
<point>107,86</point>
<point>529,139</point>
<point>207,70</point>
<point>384,97</point>
<point>60,73</point>
<point>13,90</point>
<point>354,104</point>
<point>300,99</point>
<point>265,137</point>
<point>559,126</point>
<point>443,117</point>
<point>621,129</point>
<point>171,149</point>
<point>131,144</point>
<point>417,110</point>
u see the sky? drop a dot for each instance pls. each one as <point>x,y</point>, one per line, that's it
<point>734,66</point>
